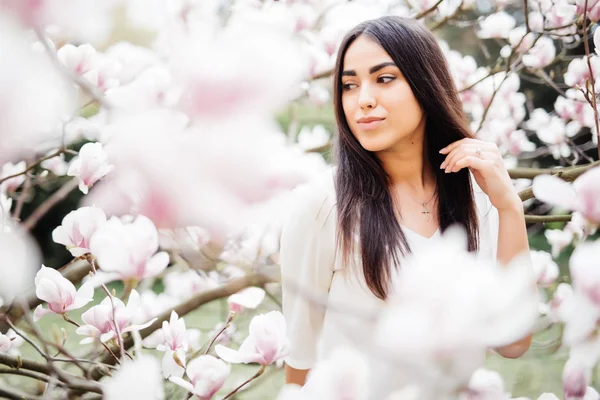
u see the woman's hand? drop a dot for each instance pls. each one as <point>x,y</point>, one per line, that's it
<point>485,162</point>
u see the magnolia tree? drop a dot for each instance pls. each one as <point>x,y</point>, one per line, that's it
<point>186,175</point>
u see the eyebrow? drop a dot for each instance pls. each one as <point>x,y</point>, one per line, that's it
<point>372,70</point>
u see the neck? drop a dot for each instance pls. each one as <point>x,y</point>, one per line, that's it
<point>408,166</point>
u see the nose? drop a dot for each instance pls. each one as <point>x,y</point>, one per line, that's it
<point>366,100</point>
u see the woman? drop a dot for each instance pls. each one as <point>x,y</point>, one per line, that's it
<point>406,162</point>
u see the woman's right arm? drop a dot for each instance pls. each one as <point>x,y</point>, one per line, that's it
<point>297,376</point>
<point>306,256</point>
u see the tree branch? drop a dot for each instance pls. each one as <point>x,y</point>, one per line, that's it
<point>50,202</point>
<point>229,288</point>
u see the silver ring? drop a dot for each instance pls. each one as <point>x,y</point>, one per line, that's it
<point>478,152</point>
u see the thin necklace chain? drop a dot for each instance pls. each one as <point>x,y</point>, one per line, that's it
<point>425,211</point>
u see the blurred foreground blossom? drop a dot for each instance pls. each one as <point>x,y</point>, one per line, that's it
<point>247,298</point>
<point>19,261</point>
<point>448,309</point>
<point>35,98</point>
<point>126,383</point>
<point>266,342</point>
<point>583,195</point>
<point>59,293</point>
<point>77,229</point>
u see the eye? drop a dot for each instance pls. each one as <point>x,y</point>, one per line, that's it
<point>348,86</point>
<point>385,79</point>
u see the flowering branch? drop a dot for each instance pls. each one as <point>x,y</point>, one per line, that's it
<point>592,78</point>
<point>229,288</point>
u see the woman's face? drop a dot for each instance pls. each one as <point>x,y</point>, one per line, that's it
<point>379,105</point>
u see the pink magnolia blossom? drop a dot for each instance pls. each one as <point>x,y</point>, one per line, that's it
<point>544,267</point>
<point>175,345</point>
<point>582,196</point>
<point>59,293</point>
<point>496,25</point>
<point>90,166</point>
<point>541,55</point>
<point>77,229</point>
<point>578,71</point>
<point>10,341</point>
<point>576,378</point>
<point>593,9</point>
<point>248,298</point>
<point>78,59</point>
<point>57,165</point>
<point>100,323</point>
<point>129,250</point>
<point>206,374</point>
<point>485,384</point>
<point>266,343</point>
<point>8,169</point>
<point>559,239</point>
<point>584,270</point>
<point>448,307</point>
<point>184,284</point>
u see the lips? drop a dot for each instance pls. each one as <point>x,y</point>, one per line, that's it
<point>370,123</point>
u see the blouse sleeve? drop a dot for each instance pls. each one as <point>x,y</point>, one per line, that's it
<point>306,256</point>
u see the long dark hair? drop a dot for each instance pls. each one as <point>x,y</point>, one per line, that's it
<point>362,185</point>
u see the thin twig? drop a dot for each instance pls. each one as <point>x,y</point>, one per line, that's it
<point>258,373</point>
<point>429,10</point>
<point>33,165</point>
<point>50,202</point>
<point>586,46</point>
<point>220,332</point>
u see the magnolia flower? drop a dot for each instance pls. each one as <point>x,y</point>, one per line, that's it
<point>35,97</point>
<point>5,206</point>
<point>175,345</point>
<point>126,383</point>
<point>545,269</point>
<point>57,165</point>
<point>77,229</point>
<point>184,284</point>
<point>266,343</point>
<point>485,384</point>
<point>558,239</point>
<point>90,166</point>
<point>343,376</point>
<point>100,320</point>
<point>78,59</point>
<point>9,169</point>
<point>247,298</point>
<point>19,261</point>
<point>578,71</point>
<point>584,270</point>
<point>206,374</point>
<point>59,293</point>
<point>496,25</point>
<point>576,378</point>
<point>448,307</point>
<point>541,55</point>
<point>128,250</point>
<point>9,342</point>
<point>583,195</point>
<point>310,138</point>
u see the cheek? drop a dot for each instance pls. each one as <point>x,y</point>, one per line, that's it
<point>406,107</point>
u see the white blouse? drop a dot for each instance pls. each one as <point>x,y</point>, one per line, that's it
<point>309,265</point>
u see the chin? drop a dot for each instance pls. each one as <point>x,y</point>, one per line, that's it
<point>376,143</point>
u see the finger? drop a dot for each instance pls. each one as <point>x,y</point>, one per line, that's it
<point>451,167</point>
<point>459,152</point>
<point>473,162</point>
<point>460,142</point>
